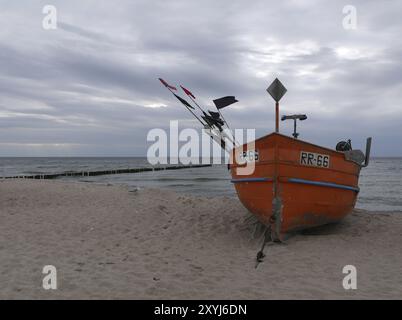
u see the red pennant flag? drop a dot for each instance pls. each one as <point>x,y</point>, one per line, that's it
<point>187,92</point>
<point>166,84</point>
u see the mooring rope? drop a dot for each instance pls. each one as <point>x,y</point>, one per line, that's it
<point>267,238</point>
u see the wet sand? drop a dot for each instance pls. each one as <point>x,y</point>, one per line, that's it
<point>110,242</point>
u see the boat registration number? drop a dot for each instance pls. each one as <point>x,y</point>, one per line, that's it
<point>314,159</point>
<point>249,156</point>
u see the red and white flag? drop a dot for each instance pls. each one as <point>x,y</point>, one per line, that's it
<point>167,85</point>
<point>187,92</point>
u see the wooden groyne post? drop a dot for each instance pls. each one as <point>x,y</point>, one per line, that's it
<point>105,172</point>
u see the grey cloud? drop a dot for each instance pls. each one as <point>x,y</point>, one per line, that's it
<point>87,84</point>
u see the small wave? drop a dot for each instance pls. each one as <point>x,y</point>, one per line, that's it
<point>28,173</point>
<point>47,167</point>
<point>211,179</point>
<point>205,179</point>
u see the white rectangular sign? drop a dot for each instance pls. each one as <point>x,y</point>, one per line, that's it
<point>314,159</point>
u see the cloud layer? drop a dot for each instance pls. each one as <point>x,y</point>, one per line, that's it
<point>89,88</point>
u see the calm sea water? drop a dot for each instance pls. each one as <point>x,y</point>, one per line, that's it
<point>380,182</point>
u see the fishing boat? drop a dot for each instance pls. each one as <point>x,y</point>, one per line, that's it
<point>290,184</point>
<point>296,184</point>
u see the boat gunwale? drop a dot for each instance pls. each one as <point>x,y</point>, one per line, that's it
<point>290,163</point>
<point>293,139</point>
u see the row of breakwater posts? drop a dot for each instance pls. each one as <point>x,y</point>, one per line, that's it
<point>104,172</point>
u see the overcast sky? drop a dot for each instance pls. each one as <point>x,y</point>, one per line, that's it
<point>90,88</point>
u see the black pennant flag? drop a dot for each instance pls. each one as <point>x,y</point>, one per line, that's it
<point>224,102</point>
<point>183,101</point>
<point>208,121</point>
<point>213,119</point>
<point>214,115</point>
<point>213,122</point>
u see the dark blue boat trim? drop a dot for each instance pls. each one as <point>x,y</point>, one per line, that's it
<point>250,180</point>
<point>323,184</point>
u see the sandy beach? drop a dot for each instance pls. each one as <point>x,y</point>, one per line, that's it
<point>110,242</point>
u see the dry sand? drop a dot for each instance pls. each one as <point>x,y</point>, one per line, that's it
<point>107,242</point>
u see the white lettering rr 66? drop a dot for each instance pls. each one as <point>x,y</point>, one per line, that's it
<point>314,159</point>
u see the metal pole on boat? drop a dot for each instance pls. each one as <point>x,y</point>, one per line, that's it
<point>277,116</point>
<point>276,89</point>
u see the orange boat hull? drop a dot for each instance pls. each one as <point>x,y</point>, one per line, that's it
<point>288,190</point>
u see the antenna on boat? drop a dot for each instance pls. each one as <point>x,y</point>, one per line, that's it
<point>277,90</point>
<point>294,117</point>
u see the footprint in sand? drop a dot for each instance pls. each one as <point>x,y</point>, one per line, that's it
<point>163,209</point>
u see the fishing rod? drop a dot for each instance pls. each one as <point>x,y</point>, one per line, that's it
<point>192,98</point>
<point>184,102</point>
<point>218,134</point>
<point>224,120</point>
<point>206,115</point>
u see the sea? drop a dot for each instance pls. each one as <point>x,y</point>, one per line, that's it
<point>380,183</point>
